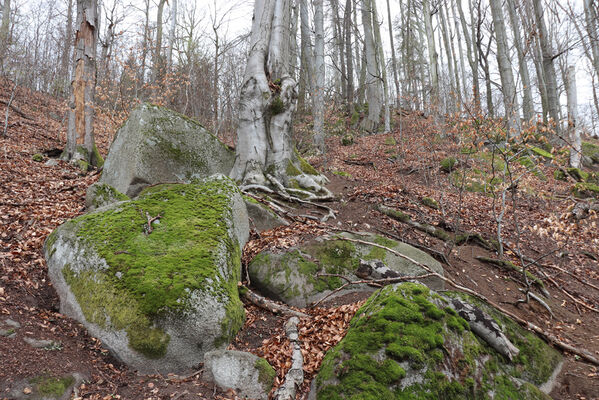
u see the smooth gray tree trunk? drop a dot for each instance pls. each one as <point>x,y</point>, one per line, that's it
<point>573,132</point>
<point>374,92</point>
<point>510,100</point>
<point>432,53</point>
<point>319,75</point>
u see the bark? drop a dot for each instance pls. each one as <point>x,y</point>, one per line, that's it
<point>460,55</point>
<point>510,100</point>
<point>484,63</point>
<point>319,75</point>
<point>548,67</point>
<point>382,66</point>
<point>158,62</point>
<point>347,26</point>
<point>592,23</point>
<point>573,132</point>
<point>144,47</point>
<point>307,57</point>
<point>266,105</point>
<point>393,58</point>
<point>171,35</point>
<point>450,65</point>
<point>68,43</point>
<point>471,53</point>
<point>432,53</point>
<point>80,134</point>
<point>373,73</point>
<point>4,30</point>
<point>527,103</point>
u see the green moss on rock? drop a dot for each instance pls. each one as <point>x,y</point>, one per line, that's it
<point>559,175</point>
<point>48,385</point>
<point>448,164</point>
<point>540,152</point>
<point>578,174</point>
<point>429,202</point>
<point>37,157</point>
<point>585,190</point>
<point>347,139</point>
<point>266,374</point>
<point>591,150</point>
<point>405,343</point>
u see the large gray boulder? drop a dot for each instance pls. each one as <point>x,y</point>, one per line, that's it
<point>159,295</point>
<point>291,276</point>
<point>249,375</point>
<point>407,342</point>
<point>157,145</point>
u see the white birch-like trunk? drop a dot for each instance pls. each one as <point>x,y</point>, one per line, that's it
<point>592,25</point>
<point>307,56</point>
<point>383,69</point>
<point>80,132</point>
<point>319,75</point>
<point>510,101</point>
<point>265,154</point>
<point>573,132</point>
<point>373,74</point>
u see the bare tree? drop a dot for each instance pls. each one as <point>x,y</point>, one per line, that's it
<point>373,73</point>
<point>432,52</point>
<point>4,30</point>
<point>573,132</point>
<point>319,75</point>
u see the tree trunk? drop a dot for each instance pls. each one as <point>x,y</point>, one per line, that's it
<point>432,53</point>
<point>573,132</point>
<point>319,75</point>
<point>158,62</point>
<point>382,68</point>
<point>393,58</point>
<point>592,25</point>
<point>347,25</point>
<point>307,57</point>
<point>450,66</point>
<point>4,31</point>
<point>510,100</point>
<point>80,134</point>
<point>527,104</point>
<point>144,47</point>
<point>472,54</point>
<point>373,74</point>
<point>68,43</point>
<point>265,154</point>
<point>171,35</point>
<point>548,67</point>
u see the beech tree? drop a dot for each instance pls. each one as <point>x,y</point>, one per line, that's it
<point>265,153</point>
<point>80,134</point>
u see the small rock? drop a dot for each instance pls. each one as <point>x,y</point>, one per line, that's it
<point>42,343</point>
<point>27,390</point>
<point>51,163</point>
<point>12,324</point>
<point>9,333</point>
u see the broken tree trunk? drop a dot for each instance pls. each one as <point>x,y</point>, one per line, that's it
<point>80,134</point>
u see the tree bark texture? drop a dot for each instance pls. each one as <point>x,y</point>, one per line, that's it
<point>432,53</point>
<point>80,135</point>
<point>573,132</point>
<point>373,74</point>
<point>319,75</point>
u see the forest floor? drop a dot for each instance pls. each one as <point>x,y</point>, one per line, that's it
<point>399,169</point>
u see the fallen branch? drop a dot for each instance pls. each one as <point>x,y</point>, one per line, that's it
<point>149,229</point>
<point>548,337</point>
<point>574,299</point>
<point>509,266</point>
<point>530,295</point>
<point>8,105</point>
<point>254,298</point>
<point>437,255</point>
<point>295,376</point>
<point>405,218</point>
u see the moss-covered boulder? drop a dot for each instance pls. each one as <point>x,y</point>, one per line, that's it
<point>584,190</point>
<point>261,217</point>
<point>291,276</point>
<point>161,294</point>
<point>591,150</point>
<point>406,342</point>
<point>101,194</point>
<point>157,145</point>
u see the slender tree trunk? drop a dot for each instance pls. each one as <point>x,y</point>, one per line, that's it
<point>527,103</point>
<point>171,35</point>
<point>393,58</point>
<point>373,73</point>
<point>319,68</point>
<point>80,134</point>
<point>510,100</point>
<point>382,66</point>
<point>471,53</point>
<point>307,57</point>
<point>592,25</point>
<point>144,47</point>
<point>4,31</point>
<point>347,25</point>
<point>68,44</point>
<point>548,67</point>
<point>484,63</point>
<point>573,132</point>
<point>158,59</point>
<point>266,104</point>
<point>450,65</point>
<point>337,46</point>
<point>432,53</point>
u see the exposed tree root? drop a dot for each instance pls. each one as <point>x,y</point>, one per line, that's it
<point>260,301</point>
<point>295,376</point>
<point>546,335</point>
